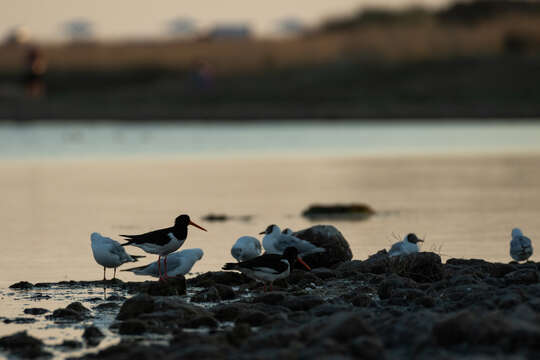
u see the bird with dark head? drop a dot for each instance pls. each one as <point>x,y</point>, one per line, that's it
<point>163,241</point>
<point>268,268</point>
<point>408,245</point>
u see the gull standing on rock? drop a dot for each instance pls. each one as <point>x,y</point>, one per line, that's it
<point>163,241</point>
<point>109,253</point>
<point>520,246</point>
<point>409,245</point>
<point>274,242</point>
<point>180,263</point>
<point>268,268</point>
<point>246,248</point>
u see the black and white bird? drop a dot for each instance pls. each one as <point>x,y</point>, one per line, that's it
<point>409,245</point>
<point>246,248</point>
<point>520,246</point>
<point>109,253</point>
<point>163,241</point>
<point>268,268</point>
<point>179,263</point>
<point>275,242</point>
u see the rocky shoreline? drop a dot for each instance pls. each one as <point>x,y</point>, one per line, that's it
<point>413,306</point>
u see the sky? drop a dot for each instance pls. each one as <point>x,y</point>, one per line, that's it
<point>121,19</point>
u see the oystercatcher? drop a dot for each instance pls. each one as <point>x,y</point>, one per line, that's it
<point>409,245</point>
<point>268,268</point>
<point>520,246</point>
<point>246,248</point>
<point>109,253</point>
<point>163,241</point>
<point>275,242</point>
<point>179,263</point>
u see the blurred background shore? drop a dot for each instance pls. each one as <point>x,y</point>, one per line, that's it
<point>476,59</point>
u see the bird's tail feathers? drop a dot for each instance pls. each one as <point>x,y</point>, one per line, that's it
<point>133,269</point>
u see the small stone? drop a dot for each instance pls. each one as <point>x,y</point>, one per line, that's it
<point>21,285</point>
<point>136,306</point>
<point>35,311</point>
<point>108,306</point>
<point>20,320</point>
<point>66,314</point>
<point>78,307</point>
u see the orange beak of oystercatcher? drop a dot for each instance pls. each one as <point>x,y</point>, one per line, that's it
<point>303,263</point>
<point>197,226</point>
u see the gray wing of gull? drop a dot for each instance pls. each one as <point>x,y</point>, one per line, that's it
<point>304,247</point>
<point>396,249</point>
<point>119,251</point>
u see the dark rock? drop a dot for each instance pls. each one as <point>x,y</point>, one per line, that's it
<point>23,345</point>
<point>66,314</point>
<point>324,273</point>
<point>304,302</point>
<point>225,292</point>
<point>328,309</point>
<point>522,277</point>
<point>174,286</point>
<point>78,307</point>
<point>405,297</point>
<point>211,278</point>
<point>230,312</point>
<point>203,321</point>
<point>341,327</point>
<point>253,318</point>
<point>239,333</point>
<point>421,267</point>
<point>21,285</point>
<point>367,347</point>
<point>108,306</point>
<point>92,335</point>
<point>71,344</point>
<point>132,327</point>
<point>20,320</point>
<point>303,278</point>
<point>392,283</point>
<point>362,300</point>
<point>35,311</point>
<point>425,301</point>
<point>329,238</point>
<point>271,298</point>
<point>92,332</point>
<point>343,212</point>
<point>509,300</point>
<point>116,298</point>
<point>209,295</point>
<point>136,306</point>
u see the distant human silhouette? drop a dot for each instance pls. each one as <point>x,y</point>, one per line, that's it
<point>35,68</point>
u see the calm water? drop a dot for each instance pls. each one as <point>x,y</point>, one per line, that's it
<point>463,187</point>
